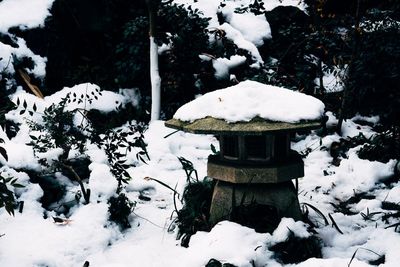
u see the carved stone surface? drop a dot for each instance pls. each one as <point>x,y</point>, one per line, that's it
<point>263,174</point>
<point>226,195</point>
<point>256,126</point>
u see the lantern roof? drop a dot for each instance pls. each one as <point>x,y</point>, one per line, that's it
<point>249,108</point>
<point>256,126</point>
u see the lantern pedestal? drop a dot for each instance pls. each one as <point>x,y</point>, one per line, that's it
<point>227,196</point>
<point>248,184</point>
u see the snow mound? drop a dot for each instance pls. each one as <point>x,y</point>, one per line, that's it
<point>250,99</point>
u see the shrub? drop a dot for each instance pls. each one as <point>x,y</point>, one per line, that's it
<point>295,249</point>
<point>195,213</point>
<point>119,210</point>
<point>59,131</point>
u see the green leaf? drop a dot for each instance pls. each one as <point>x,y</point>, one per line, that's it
<point>3,152</point>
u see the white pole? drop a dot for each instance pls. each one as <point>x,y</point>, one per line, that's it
<point>155,81</point>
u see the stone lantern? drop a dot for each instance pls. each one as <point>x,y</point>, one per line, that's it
<point>255,163</point>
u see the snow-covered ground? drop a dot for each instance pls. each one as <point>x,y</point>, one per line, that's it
<point>31,238</point>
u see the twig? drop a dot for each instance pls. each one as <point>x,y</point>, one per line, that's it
<point>318,212</point>
<point>355,252</point>
<point>86,193</point>
<point>147,220</point>
<point>162,183</point>
<point>27,80</point>
<point>168,135</point>
<point>334,224</point>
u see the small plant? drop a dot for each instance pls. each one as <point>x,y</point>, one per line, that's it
<point>195,213</point>
<point>380,260</point>
<point>295,249</point>
<point>119,210</point>
<point>382,147</point>
<point>257,8</point>
<point>196,199</point>
<point>58,130</point>
<point>117,143</point>
<point>189,169</point>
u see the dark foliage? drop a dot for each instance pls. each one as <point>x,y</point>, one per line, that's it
<point>59,131</point>
<point>379,147</point>
<point>81,37</point>
<point>80,165</point>
<point>296,249</point>
<point>131,54</point>
<point>6,88</point>
<point>119,210</point>
<point>8,40</point>
<point>180,65</point>
<point>344,206</point>
<point>106,42</point>
<point>290,35</point>
<point>339,149</point>
<point>102,122</point>
<point>375,74</point>
<point>382,147</point>
<point>113,141</point>
<point>7,198</point>
<point>257,8</point>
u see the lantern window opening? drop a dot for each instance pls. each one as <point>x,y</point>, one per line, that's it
<point>230,147</point>
<point>259,148</point>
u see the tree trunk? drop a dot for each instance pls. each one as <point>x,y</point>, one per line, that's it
<point>154,72</point>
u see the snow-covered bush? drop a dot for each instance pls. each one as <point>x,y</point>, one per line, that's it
<point>61,135</point>
<point>116,144</point>
<point>119,209</point>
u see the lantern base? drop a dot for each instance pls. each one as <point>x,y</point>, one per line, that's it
<point>228,196</point>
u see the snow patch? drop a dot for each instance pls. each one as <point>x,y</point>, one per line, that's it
<point>223,65</point>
